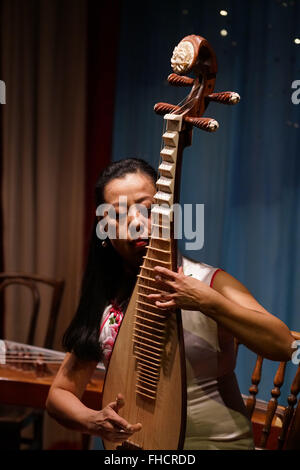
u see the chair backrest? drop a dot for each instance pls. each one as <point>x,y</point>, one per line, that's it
<point>33,282</point>
<point>276,423</point>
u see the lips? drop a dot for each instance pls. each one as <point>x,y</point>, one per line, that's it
<point>140,243</point>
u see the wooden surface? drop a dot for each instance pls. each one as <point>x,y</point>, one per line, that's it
<point>161,418</point>
<point>25,388</point>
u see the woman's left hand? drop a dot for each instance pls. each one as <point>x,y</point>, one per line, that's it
<point>180,291</point>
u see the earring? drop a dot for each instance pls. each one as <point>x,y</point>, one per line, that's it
<point>104,243</point>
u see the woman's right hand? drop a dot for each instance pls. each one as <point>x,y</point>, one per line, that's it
<point>107,424</point>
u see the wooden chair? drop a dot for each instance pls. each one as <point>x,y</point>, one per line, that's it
<point>13,419</point>
<point>275,427</point>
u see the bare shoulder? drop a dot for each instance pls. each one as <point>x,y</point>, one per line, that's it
<point>235,291</point>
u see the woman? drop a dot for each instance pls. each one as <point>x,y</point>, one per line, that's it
<point>215,309</point>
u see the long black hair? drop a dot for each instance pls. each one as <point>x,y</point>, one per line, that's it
<point>103,272</point>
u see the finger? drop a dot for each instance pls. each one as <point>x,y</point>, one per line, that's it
<point>119,422</point>
<point>163,283</point>
<point>115,419</point>
<point>165,272</point>
<point>154,296</point>
<point>161,296</point>
<point>134,427</point>
<point>120,401</point>
<point>130,429</point>
<point>122,436</point>
<point>169,304</point>
<point>180,270</point>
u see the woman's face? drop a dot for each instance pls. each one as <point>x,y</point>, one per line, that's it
<point>131,196</point>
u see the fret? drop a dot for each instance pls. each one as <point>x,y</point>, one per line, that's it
<point>156,322</point>
<point>144,364</point>
<point>147,389</point>
<point>157,260</point>
<point>150,328</point>
<point>151,384</point>
<point>142,343</point>
<point>164,197</point>
<point>146,378</point>
<point>147,351</point>
<point>160,239</point>
<point>144,278</point>
<point>151,306</point>
<point>152,397</point>
<point>150,360</point>
<point>135,335</point>
<point>158,341</point>
<point>143,395</point>
<point>161,318</point>
<point>169,153</point>
<point>153,335</point>
<point>164,227</point>
<point>148,268</point>
<point>165,183</point>
<point>147,369</point>
<point>148,386</point>
<point>170,138</point>
<point>141,286</point>
<point>165,252</point>
<point>162,210</point>
<point>167,169</point>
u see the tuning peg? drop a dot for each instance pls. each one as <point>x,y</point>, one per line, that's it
<point>206,124</point>
<point>178,80</point>
<point>165,108</point>
<point>225,97</point>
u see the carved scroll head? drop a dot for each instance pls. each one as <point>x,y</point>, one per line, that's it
<point>183,57</point>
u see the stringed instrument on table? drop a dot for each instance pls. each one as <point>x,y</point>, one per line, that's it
<point>147,364</point>
<point>27,372</point>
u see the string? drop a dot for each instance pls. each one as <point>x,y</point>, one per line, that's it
<point>34,359</point>
<point>31,362</point>
<point>17,352</point>
<point>23,357</point>
<point>20,354</point>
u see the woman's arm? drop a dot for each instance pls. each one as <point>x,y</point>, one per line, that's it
<point>65,406</point>
<point>230,304</point>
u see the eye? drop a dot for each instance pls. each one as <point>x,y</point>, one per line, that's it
<point>143,210</point>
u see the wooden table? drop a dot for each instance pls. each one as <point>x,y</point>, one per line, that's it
<point>27,388</point>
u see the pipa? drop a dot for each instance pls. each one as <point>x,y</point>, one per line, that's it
<point>147,364</point>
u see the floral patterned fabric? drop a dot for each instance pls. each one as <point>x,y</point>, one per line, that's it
<point>110,323</point>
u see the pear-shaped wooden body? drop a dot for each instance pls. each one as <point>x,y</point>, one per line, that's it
<point>162,418</point>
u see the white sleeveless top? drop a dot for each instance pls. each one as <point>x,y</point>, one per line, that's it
<point>216,415</point>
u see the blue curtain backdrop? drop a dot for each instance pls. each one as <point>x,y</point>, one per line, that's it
<point>248,173</point>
